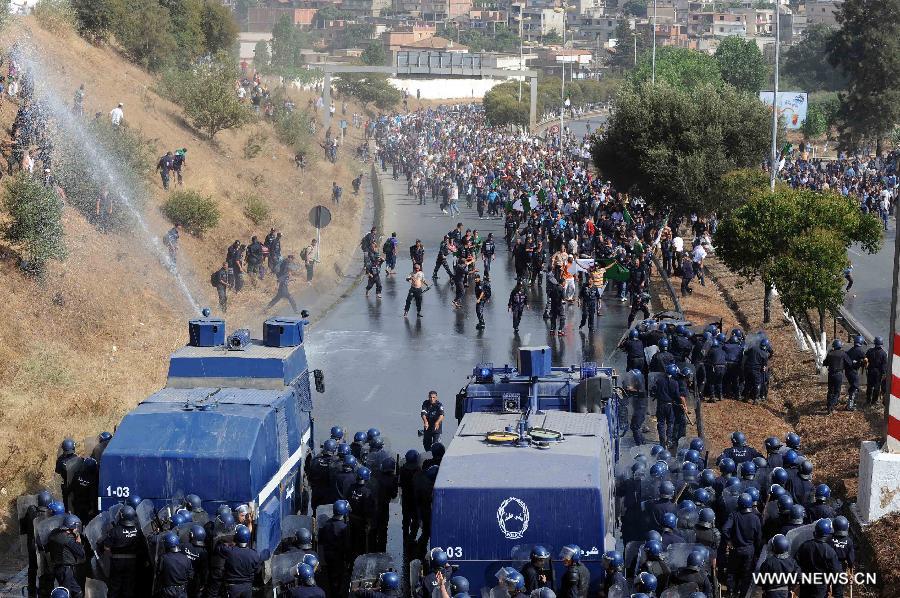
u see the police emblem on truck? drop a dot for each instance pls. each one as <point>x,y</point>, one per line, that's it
<point>512,517</point>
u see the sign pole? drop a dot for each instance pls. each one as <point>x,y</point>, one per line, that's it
<point>892,413</point>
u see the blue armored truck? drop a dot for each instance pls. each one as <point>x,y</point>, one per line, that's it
<point>532,463</point>
<point>232,425</point>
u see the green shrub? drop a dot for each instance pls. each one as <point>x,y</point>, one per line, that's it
<point>56,16</point>
<point>293,129</point>
<point>256,210</point>
<point>195,212</point>
<point>206,93</point>
<point>35,222</point>
<point>94,18</point>
<point>255,144</point>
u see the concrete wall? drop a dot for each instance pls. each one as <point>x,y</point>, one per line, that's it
<point>447,89</point>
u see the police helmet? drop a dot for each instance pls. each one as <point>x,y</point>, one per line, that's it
<point>170,541</point>
<point>780,476</point>
<point>633,334</point>
<point>412,457</point>
<point>197,535</point>
<point>539,553</point>
<point>645,582</point>
<point>305,573</point>
<point>71,522</point>
<point>791,458</point>
<point>776,490</point>
<point>772,444</point>
<point>733,481</point>
<point>133,501</point>
<point>702,496</point>
<point>337,433</point>
<point>193,502</point>
<point>304,538</point>
<point>658,470</point>
<point>689,471</point>
<point>753,491</point>
<point>681,330</point>
<point>806,469</point>
<point>765,344</point>
<point>653,548</point>
<point>792,440</point>
<point>697,445</point>
<point>388,465</point>
<point>655,449</point>
<point>312,560</point>
<point>341,508</point>
<point>359,437</point>
<point>329,446</point>
<point>785,502</point>
<point>672,370</point>
<point>737,332</point>
<point>179,518</point>
<point>796,514</point>
<point>669,521</point>
<point>377,443</point>
<point>707,518</point>
<point>60,592</point>
<point>642,459</point>
<point>760,462</point>
<point>654,535</point>
<point>663,344</point>
<point>515,580</point>
<point>349,461</point>
<point>879,341</point>
<point>715,343</point>
<point>664,456</point>
<point>56,508</point>
<point>68,446</point>
<point>748,470</point>
<point>667,490</point>
<point>836,344</point>
<point>363,474</point>
<point>738,439</point>
<point>858,341</point>
<point>438,558</point>
<point>688,506</point>
<point>458,585</point>
<point>841,526</point>
<point>744,502</point>
<point>372,434</point>
<point>432,472</point>
<point>707,477</point>
<point>343,450</point>
<point>727,465</point>
<point>823,492</point>
<point>242,535</point>
<point>438,450</point>
<point>638,469</point>
<point>823,528</point>
<point>693,455</point>
<point>226,519</point>
<point>127,516</point>
<point>687,372</point>
<point>695,560</point>
<point>503,573</point>
<point>570,552</point>
<point>613,559</point>
<point>44,498</point>
<point>720,337</point>
<point>780,545</point>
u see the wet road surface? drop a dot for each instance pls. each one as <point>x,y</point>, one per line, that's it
<point>869,300</point>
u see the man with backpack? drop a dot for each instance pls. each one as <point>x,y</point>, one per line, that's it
<point>220,282</point>
<point>308,255</point>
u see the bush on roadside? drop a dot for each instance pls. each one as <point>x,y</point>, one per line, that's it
<point>293,129</point>
<point>206,93</point>
<point>256,210</point>
<point>34,222</point>
<point>195,212</point>
<point>255,144</point>
<point>56,16</point>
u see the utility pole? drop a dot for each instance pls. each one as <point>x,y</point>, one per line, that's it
<point>562,99</point>
<point>773,166</point>
<point>521,54</point>
<point>653,32</point>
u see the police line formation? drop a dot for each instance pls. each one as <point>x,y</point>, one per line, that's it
<point>683,528</point>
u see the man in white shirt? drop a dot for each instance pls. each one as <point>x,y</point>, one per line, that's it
<point>697,256</point>
<point>678,248</point>
<point>117,115</point>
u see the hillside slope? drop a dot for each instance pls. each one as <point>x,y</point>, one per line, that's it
<point>80,348</point>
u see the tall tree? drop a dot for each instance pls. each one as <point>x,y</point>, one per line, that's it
<point>680,67</point>
<point>628,43</point>
<point>261,57</point>
<point>867,49</point>
<point>374,54</point>
<point>207,95</point>
<point>805,65</point>
<point>34,222</point>
<point>742,64</point>
<point>672,144</point>
<point>145,31</point>
<point>220,30</point>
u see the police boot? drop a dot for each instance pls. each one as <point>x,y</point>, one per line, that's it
<point>851,400</point>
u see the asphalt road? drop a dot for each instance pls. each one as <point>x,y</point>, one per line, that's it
<point>869,300</point>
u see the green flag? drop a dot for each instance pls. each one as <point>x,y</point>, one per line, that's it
<point>617,272</point>
<point>626,215</point>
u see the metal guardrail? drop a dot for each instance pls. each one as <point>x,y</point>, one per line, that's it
<point>665,277</point>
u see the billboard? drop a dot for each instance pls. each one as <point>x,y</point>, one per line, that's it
<point>792,106</point>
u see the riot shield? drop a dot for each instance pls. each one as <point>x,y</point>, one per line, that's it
<point>632,550</point>
<point>618,591</point>
<point>114,512</point>
<point>683,590</point>
<point>367,568</point>
<point>799,535</point>
<point>184,532</point>
<point>415,574</point>
<point>689,535</point>
<point>676,556</point>
<point>649,352</point>
<point>633,383</point>
<point>72,469</point>
<point>730,497</point>
<point>284,566</point>
<point>94,532</point>
<point>687,519</point>
<point>146,517</point>
<point>23,503</point>
<point>323,514</point>
<point>42,531</point>
<point>94,588</point>
<point>87,446</point>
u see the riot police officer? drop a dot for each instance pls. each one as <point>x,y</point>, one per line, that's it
<point>437,455</point>
<point>634,351</point>
<point>856,355</point>
<point>633,384</point>
<point>662,358</point>
<point>844,548</point>
<point>196,552</point>
<point>363,507</point>
<point>126,547</point>
<point>654,565</point>
<point>820,509</point>
<point>876,364</point>
<point>103,439</point>
<point>774,458</point>
<point>388,587</point>
<point>691,573</point>
<point>716,365</point>
<point>377,453</point>
<point>26,527</point>
<point>707,534</point>
<point>174,570</point>
<point>734,353</point>
<point>667,393</point>
<point>319,475</point>
<point>796,517</point>
<point>424,492</point>
<point>817,555</point>
<point>359,448</point>
<point>629,491</point>
<point>432,415</point>
<point>221,532</point>
<point>408,494</point>
<point>334,544</point>
<point>306,587</point>
<point>343,480</point>
<point>802,487</point>
<point>518,301</point>
<point>657,509</point>
<point>743,532</point>
<point>242,564</point>
<point>739,452</point>
<point>779,562</point>
<point>756,363</point>
<point>386,489</point>
<point>837,362</point>
<point>67,551</point>
<point>64,468</point>
<point>614,572</point>
<point>537,572</point>
<point>667,530</point>
<point>439,573</point>
<point>576,579</point>
<point>84,490</point>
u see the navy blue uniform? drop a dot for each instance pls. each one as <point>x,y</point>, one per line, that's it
<point>666,392</point>
<point>634,354</point>
<point>200,561</point>
<point>755,363</point>
<point>431,412</point>
<point>836,361</point>
<point>334,545</point>
<point>660,360</point>
<point>817,556</point>
<point>734,351</point>
<point>715,370</point>
<point>819,510</point>
<point>656,510</point>
<point>670,537</point>
<point>744,533</point>
<point>66,553</point>
<point>740,454</point>
<point>876,362</point>
<point>174,573</point>
<point>125,546</point>
<point>342,482</point>
<point>242,564</point>
<point>307,592</point>
<point>778,564</point>
<point>638,415</point>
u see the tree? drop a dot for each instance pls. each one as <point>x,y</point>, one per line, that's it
<point>145,32</point>
<point>815,124</point>
<point>552,37</point>
<point>622,57</point>
<point>795,240</point>
<point>220,30</point>
<point>374,54</point>
<point>207,95</point>
<point>34,222</point>
<point>501,106</point>
<point>95,18</point>
<point>671,145</point>
<point>187,27</point>
<point>805,65</point>
<point>742,64</point>
<point>867,49</point>
<point>356,35</point>
<point>680,67</point>
<point>369,88</point>
<point>261,58</point>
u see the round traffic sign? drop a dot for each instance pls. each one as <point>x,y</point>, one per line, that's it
<point>320,216</point>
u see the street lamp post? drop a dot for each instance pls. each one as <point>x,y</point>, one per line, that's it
<point>521,57</point>
<point>653,32</point>
<point>773,165</point>
<point>562,99</point>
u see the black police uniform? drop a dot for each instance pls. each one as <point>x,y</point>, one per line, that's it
<point>638,304</point>
<point>424,491</point>
<point>634,354</point>
<point>174,573</point>
<point>441,260</point>
<point>127,552</point>
<point>819,510</point>
<point>373,271</point>
<point>876,363</point>
<point>856,355</point>
<point>588,295</point>
<point>575,582</point>
<point>846,553</point>
<point>686,575</point>
<point>481,287</point>
<point>431,412</point>
<point>386,484</point>
<point>200,561</point>
<point>660,360</point>
<point>669,537</point>
<point>428,583</point>
<point>61,464</point>
<point>740,454</point>
<point>556,295</point>
<point>65,554</point>
<point>334,544</point>
<point>363,507</point>
<point>666,393</point>
<point>716,366</point>
<point>744,533</point>
<point>242,564</point>
<point>532,575</point>
<point>659,569</point>
<point>681,347</point>
<point>307,592</point>
<point>734,351</point>
<point>755,363</point>
<point>518,300</point>
<point>836,361</point>
<point>342,482</point>
<point>638,415</point>
<point>360,450</point>
<point>782,564</point>
<point>26,524</point>
<point>408,500</point>
<point>657,509</point>
<point>817,556</point>
<point>319,476</point>
<point>84,492</point>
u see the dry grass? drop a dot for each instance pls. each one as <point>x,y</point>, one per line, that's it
<point>80,349</point>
